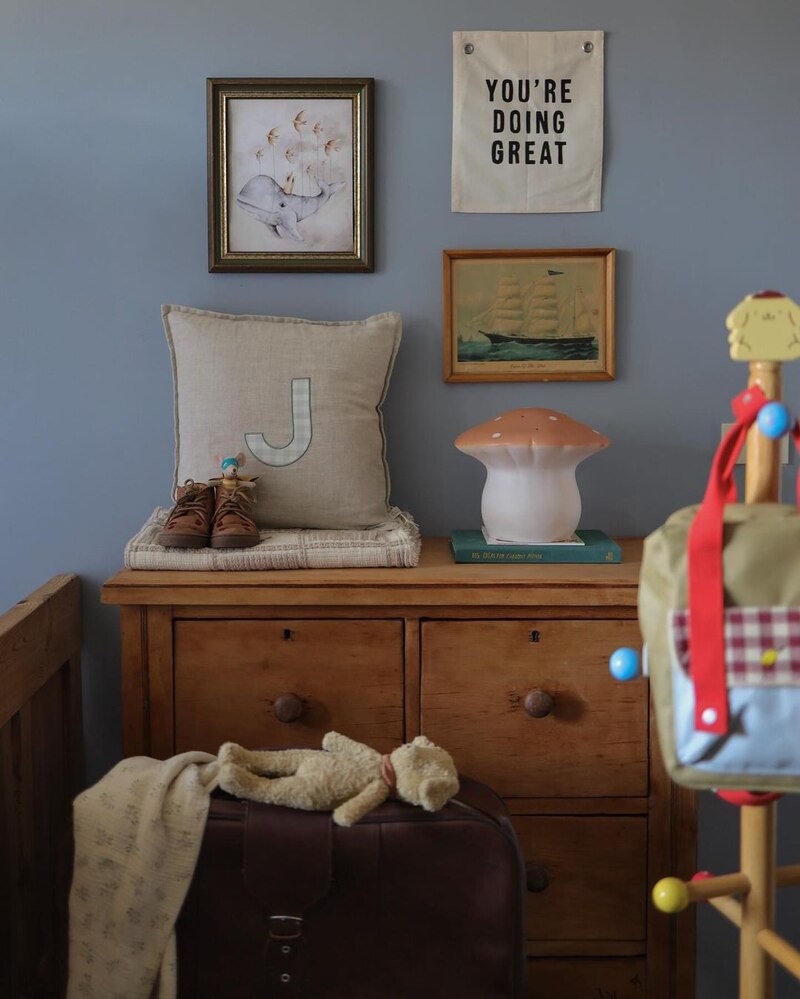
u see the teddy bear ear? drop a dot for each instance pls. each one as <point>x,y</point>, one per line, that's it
<point>422,740</point>
<point>241,458</point>
<point>435,792</point>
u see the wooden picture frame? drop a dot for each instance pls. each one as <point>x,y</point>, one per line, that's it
<point>528,315</point>
<point>290,165</point>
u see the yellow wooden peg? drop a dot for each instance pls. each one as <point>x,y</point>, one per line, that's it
<point>670,895</point>
<point>765,327</point>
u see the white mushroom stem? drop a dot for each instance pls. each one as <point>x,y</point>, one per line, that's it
<point>531,495</point>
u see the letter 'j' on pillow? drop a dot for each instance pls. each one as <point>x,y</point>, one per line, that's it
<point>302,400</point>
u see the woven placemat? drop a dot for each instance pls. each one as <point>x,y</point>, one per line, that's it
<point>393,544</point>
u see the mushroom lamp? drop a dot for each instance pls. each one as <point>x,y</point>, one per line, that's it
<point>531,496</point>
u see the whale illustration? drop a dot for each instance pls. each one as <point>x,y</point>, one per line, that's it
<point>265,199</point>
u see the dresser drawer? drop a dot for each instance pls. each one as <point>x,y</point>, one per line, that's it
<point>475,678</point>
<point>587,879</point>
<point>229,674</point>
<point>584,978</point>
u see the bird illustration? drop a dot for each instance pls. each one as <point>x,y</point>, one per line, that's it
<point>330,147</point>
<point>272,139</point>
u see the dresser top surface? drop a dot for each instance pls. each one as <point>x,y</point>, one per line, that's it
<point>436,579</point>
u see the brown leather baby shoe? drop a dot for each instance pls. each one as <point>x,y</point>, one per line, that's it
<point>189,522</point>
<point>232,525</point>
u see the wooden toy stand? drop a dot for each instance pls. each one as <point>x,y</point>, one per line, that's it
<point>747,898</point>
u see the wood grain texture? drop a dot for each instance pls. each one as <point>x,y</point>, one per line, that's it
<point>192,612</point>
<point>161,715</point>
<point>577,806</point>
<point>36,638</point>
<point>41,769</point>
<point>135,692</point>
<point>366,655</point>
<point>597,877</point>
<point>759,824</point>
<point>475,678</point>
<point>661,929</point>
<point>584,948</point>
<point>436,581</point>
<point>73,697</point>
<point>758,851</point>
<point>587,979</point>
<point>413,677</point>
<point>348,673</point>
<point>763,468</point>
<point>15,860</point>
<point>682,942</point>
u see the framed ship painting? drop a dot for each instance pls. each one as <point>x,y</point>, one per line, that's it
<point>528,315</point>
<point>290,174</point>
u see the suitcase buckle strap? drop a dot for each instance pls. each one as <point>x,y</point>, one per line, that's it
<point>285,927</point>
<point>285,956</point>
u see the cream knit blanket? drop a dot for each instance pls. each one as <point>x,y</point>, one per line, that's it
<point>395,544</point>
<point>137,838</point>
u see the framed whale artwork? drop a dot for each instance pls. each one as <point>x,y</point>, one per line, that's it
<point>528,315</point>
<point>290,166</point>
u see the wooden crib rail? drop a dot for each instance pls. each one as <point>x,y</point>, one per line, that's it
<point>41,769</point>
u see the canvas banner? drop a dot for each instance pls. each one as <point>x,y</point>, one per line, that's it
<point>527,121</point>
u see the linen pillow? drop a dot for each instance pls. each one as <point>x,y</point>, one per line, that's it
<point>300,399</point>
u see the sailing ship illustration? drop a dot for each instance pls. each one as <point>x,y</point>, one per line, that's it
<point>533,315</point>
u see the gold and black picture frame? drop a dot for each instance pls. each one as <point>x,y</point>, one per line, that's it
<point>528,315</point>
<point>290,165</point>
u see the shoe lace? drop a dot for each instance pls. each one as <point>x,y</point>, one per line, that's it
<point>192,501</point>
<point>237,501</point>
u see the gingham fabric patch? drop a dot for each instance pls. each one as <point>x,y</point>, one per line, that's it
<point>279,457</point>
<point>762,645</point>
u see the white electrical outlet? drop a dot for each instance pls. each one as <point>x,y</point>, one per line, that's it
<point>743,456</point>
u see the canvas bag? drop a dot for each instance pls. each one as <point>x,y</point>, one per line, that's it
<point>719,610</point>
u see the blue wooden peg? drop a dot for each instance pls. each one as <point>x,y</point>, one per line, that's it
<point>774,420</point>
<point>624,664</point>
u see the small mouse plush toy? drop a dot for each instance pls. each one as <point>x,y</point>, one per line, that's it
<point>230,465</point>
<point>345,776</point>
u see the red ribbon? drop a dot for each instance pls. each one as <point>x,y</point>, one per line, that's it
<point>389,775</point>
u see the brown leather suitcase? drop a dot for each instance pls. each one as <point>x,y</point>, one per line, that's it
<point>403,905</point>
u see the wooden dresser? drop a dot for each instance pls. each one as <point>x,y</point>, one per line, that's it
<point>506,666</point>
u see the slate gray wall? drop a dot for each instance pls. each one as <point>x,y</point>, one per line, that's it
<point>103,218</point>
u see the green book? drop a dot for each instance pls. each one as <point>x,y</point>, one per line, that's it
<point>471,546</point>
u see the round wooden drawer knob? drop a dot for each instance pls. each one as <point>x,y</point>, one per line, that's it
<point>537,878</point>
<point>288,708</point>
<point>538,703</point>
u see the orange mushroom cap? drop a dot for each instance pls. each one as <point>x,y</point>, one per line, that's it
<point>532,427</point>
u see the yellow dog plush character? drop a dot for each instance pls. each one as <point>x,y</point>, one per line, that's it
<point>765,327</point>
<point>344,776</point>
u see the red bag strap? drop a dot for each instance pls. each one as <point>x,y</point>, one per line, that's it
<point>706,592</point>
<point>706,588</point>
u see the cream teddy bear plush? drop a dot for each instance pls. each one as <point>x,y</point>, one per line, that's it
<point>345,776</point>
<point>764,327</point>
